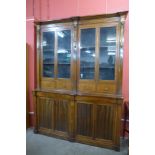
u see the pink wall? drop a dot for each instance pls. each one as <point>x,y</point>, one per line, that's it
<point>57,9</point>
<point>31,60</point>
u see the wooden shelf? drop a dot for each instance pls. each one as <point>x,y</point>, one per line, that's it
<point>48,63</point>
<point>63,63</point>
<point>48,50</point>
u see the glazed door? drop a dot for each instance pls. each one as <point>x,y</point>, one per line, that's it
<point>56,58</point>
<point>98,57</point>
<point>87,59</point>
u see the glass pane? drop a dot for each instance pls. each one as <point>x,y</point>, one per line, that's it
<point>107,53</point>
<point>64,53</point>
<point>48,54</point>
<point>87,53</point>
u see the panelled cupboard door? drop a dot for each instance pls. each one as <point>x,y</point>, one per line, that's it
<point>94,121</point>
<point>61,115</point>
<point>44,112</point>
<point>98,54</point>
<point>104,123</point>
<point>52,115</point>
<point>55,57</point>
<point>84,119</point>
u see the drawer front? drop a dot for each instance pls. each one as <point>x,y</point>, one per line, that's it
<point>106,88</point>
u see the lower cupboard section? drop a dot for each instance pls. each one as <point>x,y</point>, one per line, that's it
<point>85,119</point>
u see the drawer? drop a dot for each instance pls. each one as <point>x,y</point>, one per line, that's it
<point>107,88</point>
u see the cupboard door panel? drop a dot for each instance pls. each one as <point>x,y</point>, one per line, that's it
<point>84,119</point>
<point>48,54</point>
<point>107,53</point>
<point>45,106</point>
<point>87,53</point>
<point>104,122</point>
<point>61,115</point>
<point>64,53</point>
